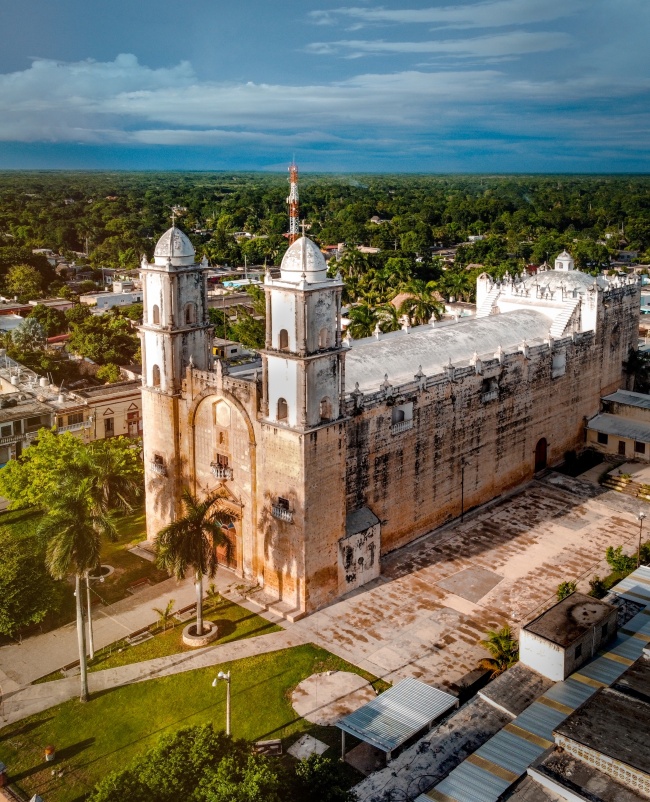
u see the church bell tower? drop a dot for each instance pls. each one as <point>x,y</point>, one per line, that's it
<point>304,365</point>
<point>303,430</point>
<point>175,333</point>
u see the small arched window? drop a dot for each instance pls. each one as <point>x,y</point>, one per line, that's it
<point>283,410</point>
<point>325,409</point>
<point>155,376</point>
<point>283,340</point>
<point>156,315</point>
<point>190,313</point>
<point>323,338</point>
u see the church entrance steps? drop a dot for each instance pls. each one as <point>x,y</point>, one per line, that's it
<point>630,488</point>
<point>276,606</point>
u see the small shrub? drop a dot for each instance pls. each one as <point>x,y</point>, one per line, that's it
<point>618,561</point>
<point>565,589</point>
<point>598,587</point>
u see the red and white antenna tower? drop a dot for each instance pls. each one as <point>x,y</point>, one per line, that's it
<point>292,200</point>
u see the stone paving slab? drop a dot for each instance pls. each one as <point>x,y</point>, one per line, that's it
<point>325,698</point>
<point>472,583</point>
<point>305,746</point>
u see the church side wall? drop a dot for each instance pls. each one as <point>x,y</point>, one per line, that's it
<point>411,479</point>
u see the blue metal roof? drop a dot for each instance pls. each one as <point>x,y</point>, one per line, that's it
<point>395,715</point>
<point>515,747</point>
<point>570,693</point>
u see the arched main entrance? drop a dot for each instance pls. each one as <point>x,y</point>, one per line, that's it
<point>541,450</point>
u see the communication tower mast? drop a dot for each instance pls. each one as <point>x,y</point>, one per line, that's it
<point>292,200</point>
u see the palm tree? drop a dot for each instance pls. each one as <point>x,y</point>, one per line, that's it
<point>389,318</point>
<point>74,527</point>
<point>164,614</point>
<point>192,542</point>
<point>422,303</point>
<point>363,319</point>
<point>503,648</point>
<point>114,483</point>
<point>457,284</point>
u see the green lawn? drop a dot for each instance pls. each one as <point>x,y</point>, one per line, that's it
<point>128,567</point>
<point>104,734</point>
<point>233,621</point>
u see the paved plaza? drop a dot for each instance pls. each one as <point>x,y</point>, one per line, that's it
<point>436,598</point>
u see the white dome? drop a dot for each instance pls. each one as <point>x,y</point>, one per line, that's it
<point>303,256</point>
<point>176,245</point>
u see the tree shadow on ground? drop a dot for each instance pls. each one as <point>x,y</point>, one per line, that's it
<point>24,728</point>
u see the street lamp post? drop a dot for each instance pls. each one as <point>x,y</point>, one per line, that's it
<point>640,518</point>
<point>91,639</point>
<point>226,677</point>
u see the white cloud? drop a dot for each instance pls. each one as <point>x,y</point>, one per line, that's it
<point>506,44</point>
<point>125,102</point>
<point>491,14</point>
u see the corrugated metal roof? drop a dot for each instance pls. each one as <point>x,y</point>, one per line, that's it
<point>630,398</point>
<point>540,719</point>
<point>620,427</point>
<point>603,670</point>
<point>470,783</point>
<point>570,693</point>
<point>397,714</point>
<point>510,751</point>
<point>513,748</point>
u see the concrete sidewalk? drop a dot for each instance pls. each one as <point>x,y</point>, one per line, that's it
<point>40,655</point>
<point>32,699</point>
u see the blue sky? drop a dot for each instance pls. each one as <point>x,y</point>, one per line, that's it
<point>490,86</point>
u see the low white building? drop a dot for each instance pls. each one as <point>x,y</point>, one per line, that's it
<point>559,641</point>
<point>108,300</point>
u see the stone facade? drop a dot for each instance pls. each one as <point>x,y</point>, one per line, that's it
<point>332,455</point>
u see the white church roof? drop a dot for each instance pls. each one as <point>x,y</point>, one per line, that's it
<point>303,256</point>
<point>573,279</point>
<point>176,245</point>
<point>399,354</point>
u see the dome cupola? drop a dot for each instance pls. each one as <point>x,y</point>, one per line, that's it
<point>303,257</point>
<point>564,261</point>
<point>174,245</point>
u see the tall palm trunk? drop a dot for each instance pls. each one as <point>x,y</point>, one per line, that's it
<point>199,602</point>
<point>81,638</point>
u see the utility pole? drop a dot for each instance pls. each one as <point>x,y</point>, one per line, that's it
<point>640,518</point>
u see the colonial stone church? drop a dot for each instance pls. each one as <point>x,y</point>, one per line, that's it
<point>333,453</point>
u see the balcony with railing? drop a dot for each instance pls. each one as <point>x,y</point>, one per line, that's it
<point>282,513</point>
<point>491,395</point>
<point>75,427</point>
<point>158,467</point>
<point>221,471</point>
<point>11,438</point>
<point>401,426</point>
